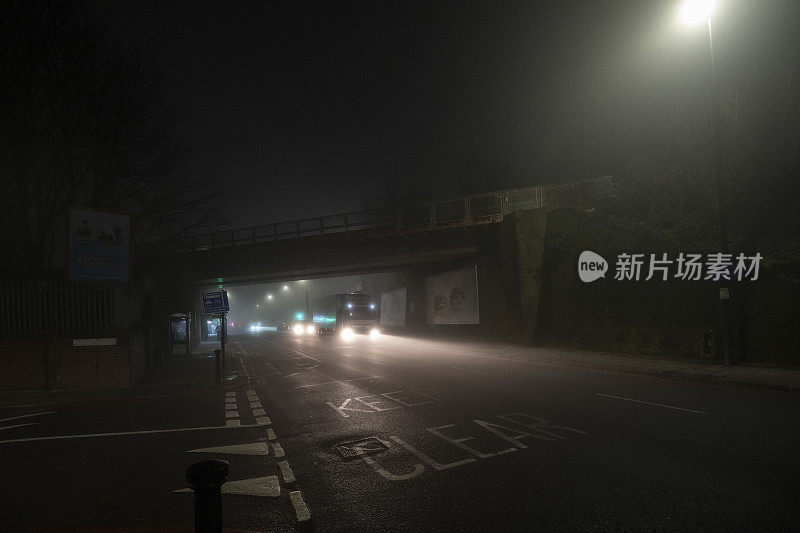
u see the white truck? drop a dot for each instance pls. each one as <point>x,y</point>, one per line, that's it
<point>346,314</point>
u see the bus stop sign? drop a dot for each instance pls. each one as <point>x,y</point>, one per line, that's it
<point>215,302</point>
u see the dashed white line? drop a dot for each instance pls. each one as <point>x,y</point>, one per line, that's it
<point>263,420</point>
<point>277,449</point>
<point>271,434</point>
<point>378,362</point>
<point>298,352</point>
<point>651,403</point>
<point>231,414</point>
<point>299,505</point>
<point>292,374</point>
<point>255,405</point>
<point>286,472</point>
<point>230,406</point>
<point>258,412</point>
<point>233,423</point>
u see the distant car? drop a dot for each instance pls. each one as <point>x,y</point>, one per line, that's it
<point>283,327</point>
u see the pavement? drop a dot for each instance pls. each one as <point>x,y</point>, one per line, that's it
<point>181,376</point>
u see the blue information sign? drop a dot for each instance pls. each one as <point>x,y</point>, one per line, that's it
<point>215,302</point>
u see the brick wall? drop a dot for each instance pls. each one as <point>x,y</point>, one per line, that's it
<point>53,363</point>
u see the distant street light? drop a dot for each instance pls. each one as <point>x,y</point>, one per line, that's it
<point>258,305</point>
<point>269,297</point>
<point>286,287</point>
<point>693,13</point>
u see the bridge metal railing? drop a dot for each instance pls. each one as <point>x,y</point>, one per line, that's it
<point>462,211</point>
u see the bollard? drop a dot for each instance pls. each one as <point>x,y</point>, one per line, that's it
<point>218,363</point>
<point>206,479</point>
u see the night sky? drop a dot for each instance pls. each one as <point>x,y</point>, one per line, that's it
<point>310,109</point>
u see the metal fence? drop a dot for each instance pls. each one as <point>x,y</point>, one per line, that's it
<point>464,211</point>
<point>57,308</point>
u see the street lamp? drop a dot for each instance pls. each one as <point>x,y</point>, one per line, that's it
<point>269,297</point>
<point>693,13</point>
<point>286,287</point>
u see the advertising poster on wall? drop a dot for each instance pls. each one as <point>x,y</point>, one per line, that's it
<point>99,246</point>
<point>393,308</point>
<point>452,297</point>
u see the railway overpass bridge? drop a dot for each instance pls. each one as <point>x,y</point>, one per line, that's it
<point>500,232</point>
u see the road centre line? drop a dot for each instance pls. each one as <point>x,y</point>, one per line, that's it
<point>297,351</point>
<point>339,381</point>
<point>651,403</point>
<point>286,472</point>
<point>470,370</point>
<point>27,416</point>
<point>124,433</point>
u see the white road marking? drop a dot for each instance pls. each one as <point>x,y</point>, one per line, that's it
<point>263,421</point>
<point>298,352</point>
<point>418,469</point>
<point>651,403</point>
<point>292,374</point>
<point>300,508</point>
<point>18,426</point>
<point>233,423</point>
<point>230,394</point>
<point>286,472</point>
<point>230,406</point>
<point>271,434</point>
<point>231,414</point>
<point>255,405</point>
<point>277,449</point>
<point>244,367</point>
<point>124,433</point>
<point>27,416</point>
<point>378,362</point>
<point>258,412</point>
<point>266,487</point>
<point>342,408</point>
<point>339,381</point>
<point>253,448</point>
<point>475,371</point>
<point>436,465</point>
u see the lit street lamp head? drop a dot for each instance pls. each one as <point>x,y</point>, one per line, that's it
<point>694,12</point>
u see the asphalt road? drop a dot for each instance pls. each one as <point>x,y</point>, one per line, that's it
<point>398,434</point>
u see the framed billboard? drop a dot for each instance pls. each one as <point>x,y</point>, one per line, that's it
<point>452,297</point>
<point>99,246</point>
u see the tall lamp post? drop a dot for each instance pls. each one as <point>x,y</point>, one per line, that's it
<point>693,13</point>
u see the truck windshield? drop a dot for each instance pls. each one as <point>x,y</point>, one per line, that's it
<point>360,313</point>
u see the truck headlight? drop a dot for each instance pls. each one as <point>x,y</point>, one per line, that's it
<point>298,329</point>
<point>347,333</point>
<point>310,329</point>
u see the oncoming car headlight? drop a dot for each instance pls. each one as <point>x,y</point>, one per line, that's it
<point>374,333</point>
<point>298,329</point>
<point>310,329</point>
<point>347,333</point>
